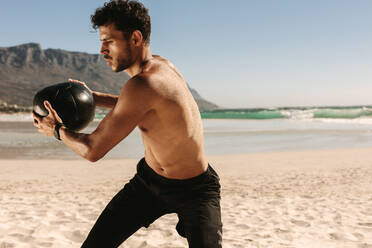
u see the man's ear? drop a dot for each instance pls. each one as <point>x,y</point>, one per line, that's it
<point>137,38</point>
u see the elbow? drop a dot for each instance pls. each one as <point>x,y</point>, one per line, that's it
<point>87,148</point>
<point>93,156</point>
<point>92,159</point>
<point>92,151</point>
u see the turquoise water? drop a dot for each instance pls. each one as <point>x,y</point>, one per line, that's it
<point>308,113</point>
<point>255,114</point>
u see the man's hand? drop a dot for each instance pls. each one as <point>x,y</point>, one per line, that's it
<point>46,124</point>
<point>80,82</point>
<point>101,99</point>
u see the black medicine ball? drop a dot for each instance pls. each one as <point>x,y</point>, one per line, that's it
<point>73,102</point>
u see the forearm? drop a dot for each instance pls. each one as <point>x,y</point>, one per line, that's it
<point>104,99</point>
<point>79,143</point>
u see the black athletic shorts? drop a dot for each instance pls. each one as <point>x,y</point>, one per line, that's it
<point>147,196</point>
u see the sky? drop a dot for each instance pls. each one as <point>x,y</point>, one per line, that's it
<point>237,53</point>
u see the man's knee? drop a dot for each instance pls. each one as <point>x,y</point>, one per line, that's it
<point>206,236</point>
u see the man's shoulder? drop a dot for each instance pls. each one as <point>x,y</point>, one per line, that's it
<point>142,82</point>
<point>141,89</point>
<point>159,81</point>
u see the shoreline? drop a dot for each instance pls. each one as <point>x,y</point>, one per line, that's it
<point>238,157</point>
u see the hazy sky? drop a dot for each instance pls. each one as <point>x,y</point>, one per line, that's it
<point>237,53</point>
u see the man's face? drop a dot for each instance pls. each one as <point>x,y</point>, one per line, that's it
<point>115,48</point>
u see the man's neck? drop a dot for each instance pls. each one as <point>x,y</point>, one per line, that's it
<point>137,67</point>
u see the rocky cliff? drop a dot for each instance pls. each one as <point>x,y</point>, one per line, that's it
<point>26,68</point>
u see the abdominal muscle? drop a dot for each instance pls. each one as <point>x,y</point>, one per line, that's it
<point>181,161</point>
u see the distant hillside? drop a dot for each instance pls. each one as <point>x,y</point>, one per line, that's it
<point>26,68</point>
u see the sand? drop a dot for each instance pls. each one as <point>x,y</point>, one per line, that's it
<point>320,199</point>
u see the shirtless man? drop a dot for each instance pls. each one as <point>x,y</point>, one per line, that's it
<point>174,176</point>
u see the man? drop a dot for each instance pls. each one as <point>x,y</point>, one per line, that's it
<point>174,176</point>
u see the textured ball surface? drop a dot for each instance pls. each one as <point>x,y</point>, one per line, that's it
<point>73,102</point>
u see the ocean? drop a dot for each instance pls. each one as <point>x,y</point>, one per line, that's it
<point>229,131</point>
<point>362,113</point>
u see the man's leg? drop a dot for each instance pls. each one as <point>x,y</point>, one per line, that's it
<point>200,222</point>
<point>130,209</point>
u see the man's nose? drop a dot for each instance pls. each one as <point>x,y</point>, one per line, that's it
<point>103,50</point>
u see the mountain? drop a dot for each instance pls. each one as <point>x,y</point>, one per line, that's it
<point>26,68</point>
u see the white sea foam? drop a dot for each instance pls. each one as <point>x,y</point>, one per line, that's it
<point>360,121</point>
<point>347,116</point>
<point>298,114</point>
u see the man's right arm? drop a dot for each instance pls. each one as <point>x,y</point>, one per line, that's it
<point>136,99</point>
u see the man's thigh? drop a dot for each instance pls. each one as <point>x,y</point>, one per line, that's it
<point>200,222</point>
<point>130,209</point>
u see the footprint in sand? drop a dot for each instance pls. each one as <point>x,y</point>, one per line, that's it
<point>21,237</point>
<point>365,224</point>
<point>241,226</point>
<point>358,236</point>
<point>300,223</point>
<point>75,236</point>
<point>309,217</point>
<point>59,222</point>
<point>359,246</point>
<point>283,234</point>
<point>45,244</point>
<point>275,202</point>
<point>367,212</point>
<point>41,213</point>
<point>337,219</point>
<point>90,216</point>
<point>6,245</point>
<point>336,236</point>
<point>136,243</point>
<point>60,214</point>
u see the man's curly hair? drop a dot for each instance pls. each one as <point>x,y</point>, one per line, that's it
<point>126,15</point>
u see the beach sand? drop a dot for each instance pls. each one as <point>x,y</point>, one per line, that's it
<point>320,199</point>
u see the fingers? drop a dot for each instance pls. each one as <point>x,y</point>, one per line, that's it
<point>49,107</point>
<point>36,123</point>
<point>79,82</point>
<point>52,112</point>
<point>36,119</point>
<point>46,124</point>
<point>74,80</point>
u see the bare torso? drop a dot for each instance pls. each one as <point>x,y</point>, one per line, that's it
<point>172,131</point>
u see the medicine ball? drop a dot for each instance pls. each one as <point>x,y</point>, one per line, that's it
<point>73,102</point>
